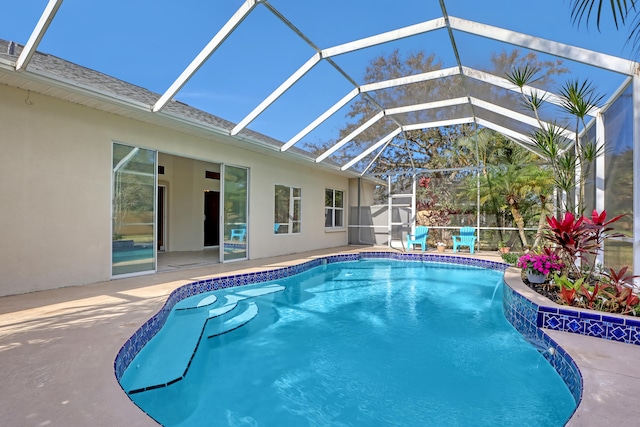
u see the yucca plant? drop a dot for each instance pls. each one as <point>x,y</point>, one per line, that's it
<point>571,167</point>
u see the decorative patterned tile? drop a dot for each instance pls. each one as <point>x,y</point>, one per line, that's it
<point>594,329</point>
<point>634,335</point>
<point>617,332</point>
<point>574,325</point>
<point>552,321</point>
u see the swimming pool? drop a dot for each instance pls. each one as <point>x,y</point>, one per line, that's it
<point>372,342</point>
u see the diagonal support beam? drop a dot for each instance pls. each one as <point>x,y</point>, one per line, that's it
<point>324,116</point>
<point>389,36</point>
<point>506,84</point>
<point>505,131</point>
<point>300,72</point>
<point>205,53</point>
<point>37,34</point>
<point>400,33</point>
<point>371,149</point>
<point>516,116</point>
<point>370,87</point>
<point>349,137</point>
<point>416,78</point>
<point>585,56</point>
<point>427,106</point>
<point>440,123</point>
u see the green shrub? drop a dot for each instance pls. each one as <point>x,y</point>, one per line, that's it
<point>511,257</point>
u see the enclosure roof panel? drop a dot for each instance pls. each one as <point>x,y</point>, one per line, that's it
<point>308,79</point>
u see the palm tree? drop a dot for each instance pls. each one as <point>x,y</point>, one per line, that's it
<point>587,10</point>
<point>511,174</point>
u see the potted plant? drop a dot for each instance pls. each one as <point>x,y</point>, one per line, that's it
<point>503,248</point>
<point>538,266</point>
<point>441,246</point>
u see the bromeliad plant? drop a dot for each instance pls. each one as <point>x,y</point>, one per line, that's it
<point>619,294</point>
<point>612,293</point>
<point>574,240</point>
<point>568,289</point>
<point>577,238</point>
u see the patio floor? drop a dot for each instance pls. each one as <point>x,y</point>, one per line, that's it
<point>57,349</point>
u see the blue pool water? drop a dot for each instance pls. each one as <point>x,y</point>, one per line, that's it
<point>365,343</point>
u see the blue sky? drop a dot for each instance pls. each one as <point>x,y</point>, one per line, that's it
<point>149,42</point>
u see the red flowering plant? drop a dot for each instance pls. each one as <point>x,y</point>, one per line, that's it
<point>544,263</point>
<point>576,238</point>
<point>576,242</point>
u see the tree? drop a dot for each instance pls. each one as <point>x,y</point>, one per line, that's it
<point>571,167</point>
<point>516,181</point>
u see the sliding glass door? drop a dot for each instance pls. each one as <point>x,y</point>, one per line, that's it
<point>235,231</point>
<point>133,210</point>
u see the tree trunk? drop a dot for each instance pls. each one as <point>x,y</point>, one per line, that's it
<point>542,221</point>
<point>517,218</point>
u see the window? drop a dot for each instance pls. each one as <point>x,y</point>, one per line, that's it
<point>288,202</point>
<point>333,208</point>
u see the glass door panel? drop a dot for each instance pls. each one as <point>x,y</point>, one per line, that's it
<point>133,210</point>
<point>235,194</point>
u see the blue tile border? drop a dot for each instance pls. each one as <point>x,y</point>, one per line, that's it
<point>526,317</point>
<point>592,323</point>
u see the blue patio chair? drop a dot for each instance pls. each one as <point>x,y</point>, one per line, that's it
<point>467,237</point>
<point>418,238</point>
<point>238,233</point>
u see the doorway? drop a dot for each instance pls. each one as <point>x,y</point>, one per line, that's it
<point>211,218</point>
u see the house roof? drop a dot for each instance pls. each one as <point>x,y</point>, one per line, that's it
<point>293,70</point>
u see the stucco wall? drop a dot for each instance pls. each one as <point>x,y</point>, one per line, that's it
<point>55,191</point>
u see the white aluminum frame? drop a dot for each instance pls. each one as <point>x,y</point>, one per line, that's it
<point>451,24</point>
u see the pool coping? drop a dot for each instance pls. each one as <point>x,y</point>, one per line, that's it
<point>570,330</point>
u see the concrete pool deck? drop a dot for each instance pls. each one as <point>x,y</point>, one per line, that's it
<point>57,350</point>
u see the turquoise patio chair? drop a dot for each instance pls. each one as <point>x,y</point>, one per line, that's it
<point>238,233</point>
<point>467,237</point>
<point>418,238</point>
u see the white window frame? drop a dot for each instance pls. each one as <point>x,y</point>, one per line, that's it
<point>291,209</point>
<point>333,209</point>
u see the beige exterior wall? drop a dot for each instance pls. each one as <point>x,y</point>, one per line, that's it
<point>55,191</point>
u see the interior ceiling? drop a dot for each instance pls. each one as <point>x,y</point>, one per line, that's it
<point>292,70</point>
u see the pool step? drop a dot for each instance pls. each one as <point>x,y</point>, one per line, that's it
<point>238,320</point>
<point>195,301</point>
<point>198,301</point>
<point>258,291</point>
<point>168,354</point>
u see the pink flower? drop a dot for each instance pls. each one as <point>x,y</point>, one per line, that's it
<point>540,263</point>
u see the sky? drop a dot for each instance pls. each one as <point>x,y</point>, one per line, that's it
<point>150,42</point>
